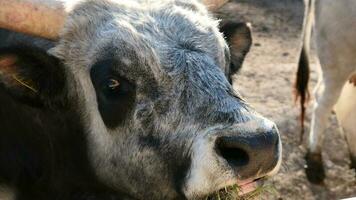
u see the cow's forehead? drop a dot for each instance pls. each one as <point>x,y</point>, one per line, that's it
<point>144,33</point>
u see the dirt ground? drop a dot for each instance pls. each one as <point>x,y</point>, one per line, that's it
<point>266,82</point>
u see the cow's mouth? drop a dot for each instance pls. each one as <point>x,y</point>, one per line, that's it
<point>240,190</point>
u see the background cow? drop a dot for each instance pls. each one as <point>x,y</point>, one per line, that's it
<point>334,23</point>
<point>131,102</point>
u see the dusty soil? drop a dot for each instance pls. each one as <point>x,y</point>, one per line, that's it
<point>266,82</point>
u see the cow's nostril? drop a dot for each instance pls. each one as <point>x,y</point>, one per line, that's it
<point>234,155</point>
<point>249,154</point>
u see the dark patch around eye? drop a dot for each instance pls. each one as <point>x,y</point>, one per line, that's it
<point>115,94</point>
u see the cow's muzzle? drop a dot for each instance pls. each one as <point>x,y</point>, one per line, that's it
<point>241,154</point>
<point>250,155</point>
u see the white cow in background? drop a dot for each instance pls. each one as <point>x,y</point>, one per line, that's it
<point>335,34</point>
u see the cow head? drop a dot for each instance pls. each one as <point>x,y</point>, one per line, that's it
<point>149,81</point>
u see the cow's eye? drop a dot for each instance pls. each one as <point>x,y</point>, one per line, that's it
<point>115,93</point>
<point>115,87</point>
<point>113,84</point>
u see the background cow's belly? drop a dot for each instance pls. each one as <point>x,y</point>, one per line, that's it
<point>335,29</point>
<point>346,113</point>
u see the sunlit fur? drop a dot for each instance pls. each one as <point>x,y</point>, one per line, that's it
<point>174,54</point>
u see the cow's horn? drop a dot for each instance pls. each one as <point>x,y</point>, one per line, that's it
<point>213,5</point>
<point>43,18</point>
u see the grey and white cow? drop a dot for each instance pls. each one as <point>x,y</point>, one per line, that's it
<point>132,101</point>
<point>335,31</point>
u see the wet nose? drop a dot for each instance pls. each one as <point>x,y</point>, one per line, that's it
<point>250,154</point>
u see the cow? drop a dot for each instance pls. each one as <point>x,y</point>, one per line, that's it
<point>334,23</point>
<point>117,99</point>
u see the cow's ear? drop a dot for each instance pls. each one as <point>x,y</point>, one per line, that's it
<point>32,76</point>
<point>239,38</point>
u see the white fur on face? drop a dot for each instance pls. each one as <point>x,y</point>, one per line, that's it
<point>279,163</point>
<point>205,175</point>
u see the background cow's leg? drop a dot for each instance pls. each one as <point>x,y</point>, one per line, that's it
<point>326,94</point>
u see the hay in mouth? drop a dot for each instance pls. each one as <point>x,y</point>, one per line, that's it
<point>232,193</point>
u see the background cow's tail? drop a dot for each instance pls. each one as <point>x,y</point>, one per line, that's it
<point>302,79</point>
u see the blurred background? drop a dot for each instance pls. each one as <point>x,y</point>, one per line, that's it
<point>266,82</point>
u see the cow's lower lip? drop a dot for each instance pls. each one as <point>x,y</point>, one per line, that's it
<point>248,186</point>
<point>236,188</point>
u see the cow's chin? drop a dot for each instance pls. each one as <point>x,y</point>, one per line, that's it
<point>236,190</point>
